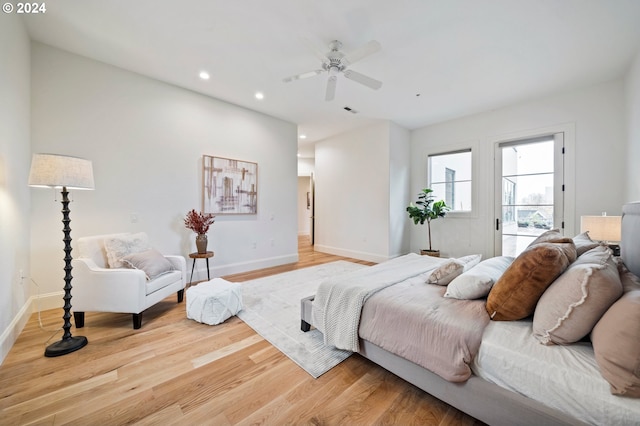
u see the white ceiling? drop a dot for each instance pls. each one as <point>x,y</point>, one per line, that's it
<point>459,56</point>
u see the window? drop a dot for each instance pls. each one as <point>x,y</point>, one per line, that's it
<point>450,178</point>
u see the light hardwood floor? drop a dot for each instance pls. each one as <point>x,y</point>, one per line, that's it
<point>174,371</point>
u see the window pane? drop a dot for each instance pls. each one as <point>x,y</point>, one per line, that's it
<point>532,189</point>
<point>458,198</point>
<point>460,162</point>
<point>450,179</point>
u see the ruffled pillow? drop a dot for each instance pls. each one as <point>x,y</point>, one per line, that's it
<point>572,305</point>
<point>446,272</point>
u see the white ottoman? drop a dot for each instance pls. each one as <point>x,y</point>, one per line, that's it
<point>214,301</point>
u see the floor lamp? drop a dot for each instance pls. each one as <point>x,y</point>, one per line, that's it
<point>59,171</point>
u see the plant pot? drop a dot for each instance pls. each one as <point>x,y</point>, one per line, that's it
<point>434,253</point>
<point>201,243</point>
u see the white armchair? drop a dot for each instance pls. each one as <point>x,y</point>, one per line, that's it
<point>99,288</point>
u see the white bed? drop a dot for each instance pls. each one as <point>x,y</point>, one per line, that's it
<point>518,381</point>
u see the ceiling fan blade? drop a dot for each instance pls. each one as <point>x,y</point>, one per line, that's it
<point>361,53</point>
<point>331,88</point>
<point>363,79</point>
<point>301,76</point>
<point>322,56</point>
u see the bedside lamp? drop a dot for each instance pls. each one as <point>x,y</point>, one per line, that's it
<point>603,228</point>
<point>59,171</point>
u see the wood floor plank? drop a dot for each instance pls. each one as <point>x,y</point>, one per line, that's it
<point>175,371</point>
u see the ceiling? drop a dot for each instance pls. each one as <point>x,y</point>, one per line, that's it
<point>440,59</point>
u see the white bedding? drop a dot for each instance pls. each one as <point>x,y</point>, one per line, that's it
<point>563,377</point>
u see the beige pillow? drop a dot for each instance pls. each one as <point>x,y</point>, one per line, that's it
<point>584,243</point>
<point>477,282</point>
<point>515,294</point>
<point>572,305</point>
<point>119,246</point>
<point>152,262</point>
<point>616,344</point>
<point>446,272</point>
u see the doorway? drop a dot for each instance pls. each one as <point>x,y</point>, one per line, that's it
<point>529,190</point>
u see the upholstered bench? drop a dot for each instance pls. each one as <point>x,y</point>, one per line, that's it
<point>212,302</point>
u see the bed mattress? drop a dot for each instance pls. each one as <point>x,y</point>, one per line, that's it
<point>562,377</point>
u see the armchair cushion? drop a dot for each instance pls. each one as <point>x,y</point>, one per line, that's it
<point>151,261</point>
<point>119,246</point>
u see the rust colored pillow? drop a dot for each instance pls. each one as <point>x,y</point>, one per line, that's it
<point>547,236</point>
<point>515,295</point>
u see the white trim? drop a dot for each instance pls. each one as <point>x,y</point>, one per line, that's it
<point>15,327</point>
<point>474,147</point>
<point>569,130</point>
<point>355,254</point>
<point>236,268</point>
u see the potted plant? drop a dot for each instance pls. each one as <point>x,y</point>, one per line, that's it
<point>199,223</point>
<point>427,210</point>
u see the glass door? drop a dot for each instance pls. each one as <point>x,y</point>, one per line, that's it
<point>529,188</point>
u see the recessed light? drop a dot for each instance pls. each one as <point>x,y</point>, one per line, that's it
<point>204,75</point>
<point>302,136</point>
<point>259,95</point>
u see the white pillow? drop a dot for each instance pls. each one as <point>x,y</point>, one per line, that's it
<point>119,246</point>
<point>446,272</point>
<point>477,282</point>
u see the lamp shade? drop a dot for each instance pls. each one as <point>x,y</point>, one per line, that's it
<point>57,171</point>
<point>602,228</point>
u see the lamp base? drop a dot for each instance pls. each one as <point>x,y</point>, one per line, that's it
<point>615,248</point>
<point>66,346</point>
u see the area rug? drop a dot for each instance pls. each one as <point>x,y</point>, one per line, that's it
<point>272,309</point>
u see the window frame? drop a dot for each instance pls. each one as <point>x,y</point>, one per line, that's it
<point>468,147</point>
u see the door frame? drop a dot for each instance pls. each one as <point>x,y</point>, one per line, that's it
<point>569,204</point>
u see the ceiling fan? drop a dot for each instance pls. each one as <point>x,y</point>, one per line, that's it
<point>335,62</point>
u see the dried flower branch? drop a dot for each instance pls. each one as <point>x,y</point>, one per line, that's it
<point>198,222</point>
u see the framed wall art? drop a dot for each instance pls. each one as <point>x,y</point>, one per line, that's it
<point>229,186</point>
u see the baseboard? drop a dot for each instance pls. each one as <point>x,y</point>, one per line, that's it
<point>361,255</point>
<point>42,302</point>
<point>240,267</point>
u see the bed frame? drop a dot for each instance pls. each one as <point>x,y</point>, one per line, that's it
<point>483,400</point>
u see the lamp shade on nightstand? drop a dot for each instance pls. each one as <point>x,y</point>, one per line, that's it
<point>602,228</point>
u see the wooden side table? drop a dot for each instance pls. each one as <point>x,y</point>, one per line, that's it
<point>196,256</point>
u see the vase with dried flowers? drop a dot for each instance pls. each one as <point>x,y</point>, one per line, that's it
<point>199,223</point>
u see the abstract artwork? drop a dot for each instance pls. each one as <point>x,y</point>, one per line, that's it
<point>229,186</point>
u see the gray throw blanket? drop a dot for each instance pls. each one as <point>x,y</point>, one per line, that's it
<point>339,300</point>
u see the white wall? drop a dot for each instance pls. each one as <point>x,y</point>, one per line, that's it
<point>146,140</point>
<point>356,174</point>
<point>15,159</point>
<point>596,117</point>
<point>632,90</point>
<point>304,214</point>
<point>306,166</point>
<point>399,184</point>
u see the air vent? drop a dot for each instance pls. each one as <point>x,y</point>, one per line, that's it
<point>352,111</point>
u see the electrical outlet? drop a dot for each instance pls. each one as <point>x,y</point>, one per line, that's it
<point>273,242</point>
<point>254,244</point>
